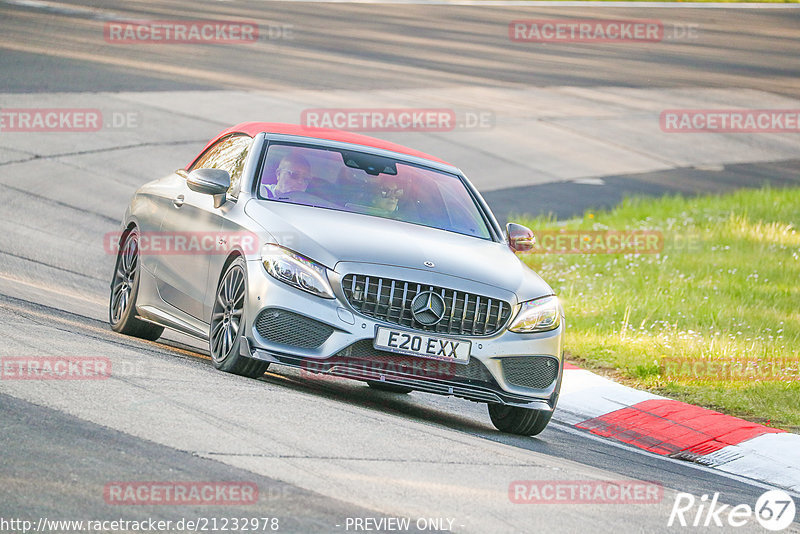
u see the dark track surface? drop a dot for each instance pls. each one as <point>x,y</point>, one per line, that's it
<point>568,199</point>
<point>341,46</point>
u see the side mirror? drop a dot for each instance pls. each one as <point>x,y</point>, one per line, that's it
<point>214,182</point>
<point>520,238</point>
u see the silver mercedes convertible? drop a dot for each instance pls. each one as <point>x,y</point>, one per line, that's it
<point>345,255</point>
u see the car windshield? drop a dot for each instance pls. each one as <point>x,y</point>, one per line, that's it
<point>371,185</point>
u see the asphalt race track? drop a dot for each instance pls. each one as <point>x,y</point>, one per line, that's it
<point>570,126</point>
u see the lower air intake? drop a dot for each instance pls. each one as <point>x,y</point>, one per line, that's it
<point>289,328</point>
<point>536,372</point>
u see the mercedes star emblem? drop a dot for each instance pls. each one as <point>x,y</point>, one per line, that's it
<point>428,308</point>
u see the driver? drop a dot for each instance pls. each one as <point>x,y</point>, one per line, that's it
<point>292,175</point>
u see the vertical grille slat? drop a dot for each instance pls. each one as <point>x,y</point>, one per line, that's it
<point>452,312</point>
<point>378,298</point>
<point>476,316</point>
<point>443,326</point>
<point>391,302</point>
<point>466,314</point>
<point>488,314</point>
<point>403,304</point>
<point>366,291</point>
<point>464,311</point>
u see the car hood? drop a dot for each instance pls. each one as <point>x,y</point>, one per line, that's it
<point>331,237</point>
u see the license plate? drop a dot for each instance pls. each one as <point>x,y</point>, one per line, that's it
<point>422,345</point>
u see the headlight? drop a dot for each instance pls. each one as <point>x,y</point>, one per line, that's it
<point>296,270</point>
<point>538,315</point>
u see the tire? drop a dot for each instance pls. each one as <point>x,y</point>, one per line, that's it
<point>227,317</point>
<point>391,388</point>
<point>125,290</point>
<point>516,420</point>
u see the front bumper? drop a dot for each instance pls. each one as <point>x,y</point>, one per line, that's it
<point>507,368</point>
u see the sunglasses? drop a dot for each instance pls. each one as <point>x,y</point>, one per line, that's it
<point>391,192</point>
<point>293,175</point>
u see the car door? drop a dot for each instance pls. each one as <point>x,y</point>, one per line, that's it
<point>191,228</point>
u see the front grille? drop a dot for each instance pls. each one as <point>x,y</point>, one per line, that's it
<point>289,328</point>
<point>465,314</point>
<point>362,356</point>
<point>537,372</point>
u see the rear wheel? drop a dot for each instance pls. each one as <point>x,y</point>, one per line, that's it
<point>125,289</point>
<point>516,420</point>
<point>391,388</point>
<point>227,318</point>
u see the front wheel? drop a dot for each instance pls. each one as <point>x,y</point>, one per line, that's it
<point>227,319</point>
<point>516,420</point>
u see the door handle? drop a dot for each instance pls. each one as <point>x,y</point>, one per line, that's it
<point>178,202</point>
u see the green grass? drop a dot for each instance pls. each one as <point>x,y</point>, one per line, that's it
<point>726,286</point>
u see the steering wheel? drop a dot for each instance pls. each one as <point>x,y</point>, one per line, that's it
<point>302,197</point>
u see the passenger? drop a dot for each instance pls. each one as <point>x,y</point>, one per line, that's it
<point>388,195</point>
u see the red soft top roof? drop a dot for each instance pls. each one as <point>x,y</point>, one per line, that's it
<point>254,128</point>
